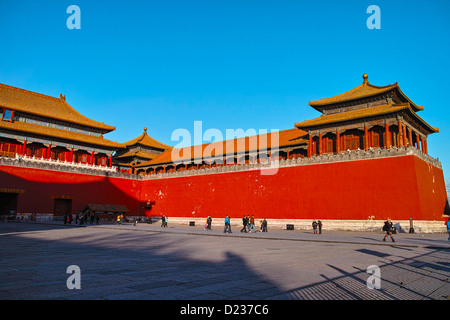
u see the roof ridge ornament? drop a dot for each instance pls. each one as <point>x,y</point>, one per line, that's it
<point>365,76</point>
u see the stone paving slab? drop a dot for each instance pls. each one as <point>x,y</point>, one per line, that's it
<point>146,262</point>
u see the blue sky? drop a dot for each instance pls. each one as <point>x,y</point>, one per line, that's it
<point>231,64</point>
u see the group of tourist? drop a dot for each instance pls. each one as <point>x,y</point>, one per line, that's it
<point>81,219</point>
<point>248,224</point>
<point>317,226</point>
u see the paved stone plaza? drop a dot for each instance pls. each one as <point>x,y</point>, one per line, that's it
<point>181,262</point>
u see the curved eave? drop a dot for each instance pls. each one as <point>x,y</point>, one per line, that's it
<point>352,94</point>
<point>29,102</point>
<point>287,138</point>
<point>53,133</point>
<point>430,128</point>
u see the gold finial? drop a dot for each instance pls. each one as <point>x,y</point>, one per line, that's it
<point>145,129</point>
<point>365,76</point>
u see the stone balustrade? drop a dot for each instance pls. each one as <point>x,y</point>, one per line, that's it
<point>63,166</point>
<point>353,155</point>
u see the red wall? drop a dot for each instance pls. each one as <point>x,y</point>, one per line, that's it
<point>397,187</point>
<point>41,186</point>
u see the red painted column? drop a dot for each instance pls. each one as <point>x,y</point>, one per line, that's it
<point>287,154</point>
<point>405,139</point>
<point>71,155</point>
<point>410,137</point>
<point>320,143</point>
<point>49,151</point>
<point>338,141</point>
<point>309,146</point>
<point>24,147</point>
<point>387,136</point>
<point>110,160</point>
<point>417,141</point>
<point>400,134</point>
<point>426,145</point>
<point>366,138</point>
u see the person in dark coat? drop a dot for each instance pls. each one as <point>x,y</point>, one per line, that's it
<point>208,223</point>
<point>264,225</point>
<point>244,222</point>
<point>388,227</point>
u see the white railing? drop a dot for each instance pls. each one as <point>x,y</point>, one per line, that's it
<point>324,158</point>
<point>41,160</point>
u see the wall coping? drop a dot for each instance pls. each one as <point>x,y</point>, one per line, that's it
<point>345,156</point>
<point>63,166</point>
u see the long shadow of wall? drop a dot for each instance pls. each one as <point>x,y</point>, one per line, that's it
<point>153,265</point>
<point>118,265</point>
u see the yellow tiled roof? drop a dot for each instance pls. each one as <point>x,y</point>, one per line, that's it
<point>145,140</point>
<point>240,145</point>
<point>46,106</point>
<point>50,133</point>
<point>362,91</point>
<point>140,154</point>
<point>361,113</point>
<point>350,115</point>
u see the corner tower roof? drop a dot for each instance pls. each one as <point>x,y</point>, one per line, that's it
<point>364,90</point>
<point>42,105</point>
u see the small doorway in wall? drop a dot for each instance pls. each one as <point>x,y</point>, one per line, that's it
<point>62,207</point>
<point>8,203</point>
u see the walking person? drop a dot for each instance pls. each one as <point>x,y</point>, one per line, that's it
<point>314,225</point>
<point>319,225</point>
<point>208,223</point>
<point>264,225</point>
<point>227,225</point>
<point>244,222</point>
<point>252,224</point>
<point>388,227</point>
<point>448,228</point>
<point>163,220</point>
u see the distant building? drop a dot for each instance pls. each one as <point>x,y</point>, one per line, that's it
<point>140,149</point>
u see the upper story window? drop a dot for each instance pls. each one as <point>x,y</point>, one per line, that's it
<point>57,126</point>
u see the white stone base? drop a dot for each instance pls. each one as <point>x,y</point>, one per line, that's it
<point>420,226</point>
